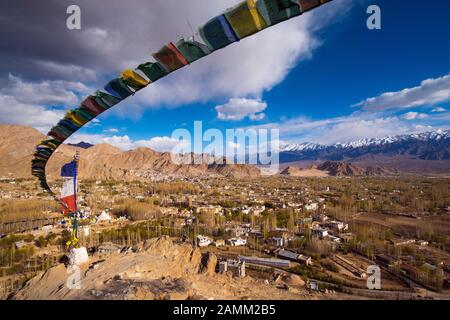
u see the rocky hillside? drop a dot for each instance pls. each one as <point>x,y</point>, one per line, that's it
<point>336,169</point>
<point>16,148</point>
<point>342,169</point>
<point>159,269</point>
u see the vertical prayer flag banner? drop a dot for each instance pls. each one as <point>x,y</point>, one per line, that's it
<point>69,187</point>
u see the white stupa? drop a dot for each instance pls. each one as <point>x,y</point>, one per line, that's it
<point>104,217</point>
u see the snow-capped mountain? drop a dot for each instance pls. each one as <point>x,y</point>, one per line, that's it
<point>433,145</point>
<point>425,136</point>
<point>300,147</point>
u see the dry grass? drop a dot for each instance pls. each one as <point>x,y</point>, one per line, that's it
<point>135,210</point>
<point>15,210</point>
<point>176,188</point>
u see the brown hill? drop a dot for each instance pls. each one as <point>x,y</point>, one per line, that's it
<point>341,169</point>
<point>102,161</point>
<point>16,147</point>
<point>344,169</point>
<point>309,172</point>
<point>380,171</point>
<point>292,171</point>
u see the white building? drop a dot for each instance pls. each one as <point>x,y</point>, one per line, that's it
<point>203,241</point>
<point>278,241</point>
<point>241,232</point>
<point>338,226</point>
<point>334,239</point>
<point>320,233</point>
<point>219,243</point>
<point>104,217</point>
<point>236,267</point>
<point>235,242</point>
<point>209,209</point>
<point>258,210</point>
<point>312,206</point>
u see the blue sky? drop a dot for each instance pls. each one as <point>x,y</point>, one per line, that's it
<point>334,81</point>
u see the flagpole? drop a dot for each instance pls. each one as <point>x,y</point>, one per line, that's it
<point>71,211</point>
<point>76,159</point>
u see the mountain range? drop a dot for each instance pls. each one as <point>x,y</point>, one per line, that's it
<point>421,153</point>
<point>405,152</point>
<point>427,146</point>
<point>82,144</point>
<point>103,161</point>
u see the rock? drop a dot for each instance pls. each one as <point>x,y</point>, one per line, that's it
<point>208,264</point>
<point>276,278</point>
<point>159,245</point>
<point>293,280</point>
<point>109,248</point>
<point>96,264</point>
<point>127,250</point>
<point>283,286</point>
<point>195,258</point>
<point>292,171</point>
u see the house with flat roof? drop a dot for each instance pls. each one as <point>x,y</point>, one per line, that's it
<point>294,256</point>
<point>277,241</point>
<point>235,242</point>
<point>237,267</point>
<point>203,241</point>
<point>319,233</point>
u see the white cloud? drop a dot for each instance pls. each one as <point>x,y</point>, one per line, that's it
<point>233,145</point>
<point>438,110</point>
<point>121,142</point>
<point>237,109</point>
<point>15,112</point>
<point>66,71</point>
<point>430,92</point>
<point>96,33</point>
<point>257,117</point>
<point>358,125</point>
<point>422,128</point>
<point>161,144</point>
<point>112,130</point>
<point>414,115</point>
<point>56,92</point>
<point>245,69</point>
<point>248,68</point>
<point>31,104</point>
